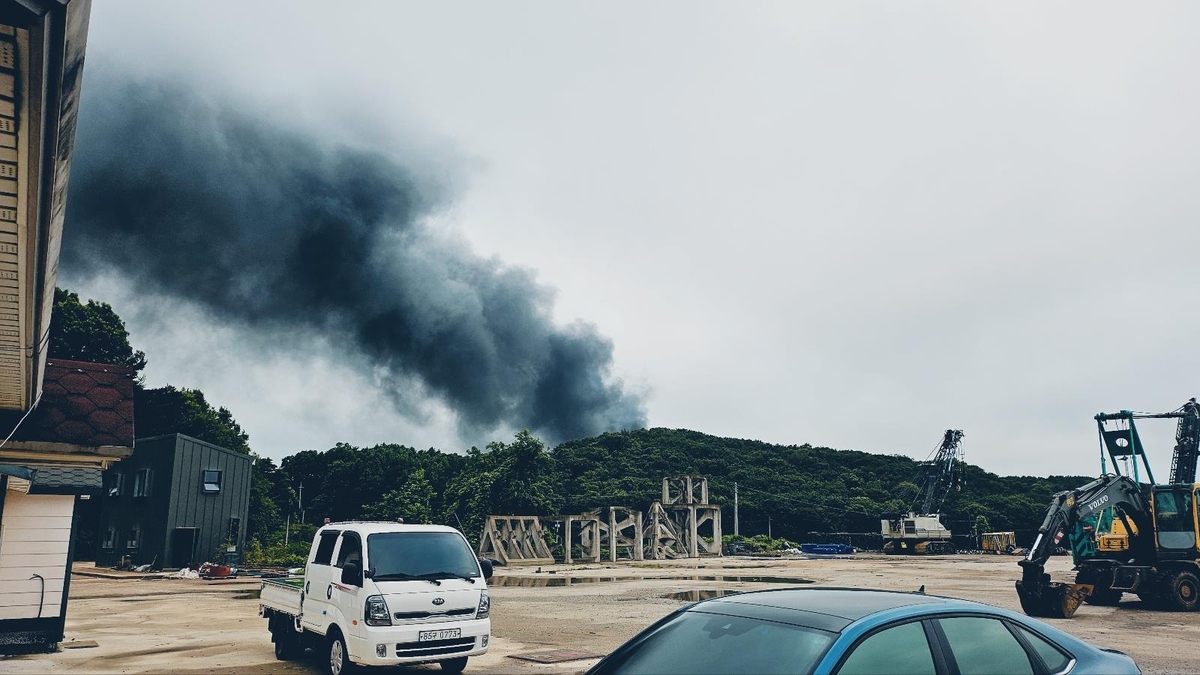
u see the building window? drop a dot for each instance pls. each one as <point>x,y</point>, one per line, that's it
<point>235,528</point>
<point>141,482</point>
<point>211,480</point>
<point>110,539</point>
<point>116,484</point>
<point>135,539</point>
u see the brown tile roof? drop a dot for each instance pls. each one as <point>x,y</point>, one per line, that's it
<point>82,404</point>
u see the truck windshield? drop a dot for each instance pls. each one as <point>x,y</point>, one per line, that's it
<point>405,555</point>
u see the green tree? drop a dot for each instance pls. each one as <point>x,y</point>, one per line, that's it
<point>410,501</point>
<point>516,478</point>
<point>982,525</point>
<point>168,410</point>
<point>90,332</point>
<point>269,494</point>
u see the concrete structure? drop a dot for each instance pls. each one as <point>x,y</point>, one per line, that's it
<point>682,525</point>
<point>582,531</point>
<point>685,499</point>
<point>622,531</point>
<point>177,501</point>
<point>515,540</point>
<point>661,537</point>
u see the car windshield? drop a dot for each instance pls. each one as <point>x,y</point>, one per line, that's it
<point>401,555</point>
<point>699,643</point>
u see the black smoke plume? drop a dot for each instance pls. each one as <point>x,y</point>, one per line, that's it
<point>278,231</point>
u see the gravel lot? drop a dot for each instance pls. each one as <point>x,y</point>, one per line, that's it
<point>169,625</point>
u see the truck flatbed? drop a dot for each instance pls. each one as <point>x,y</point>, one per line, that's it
<point>282,595</point>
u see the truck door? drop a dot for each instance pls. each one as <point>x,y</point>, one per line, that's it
<point>318,583</point>
<point>347,594</point>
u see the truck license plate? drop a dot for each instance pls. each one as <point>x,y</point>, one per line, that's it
<point>448,634</point>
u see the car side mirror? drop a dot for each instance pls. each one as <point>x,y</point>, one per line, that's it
<point>486,566</point>
<point>352,574</point>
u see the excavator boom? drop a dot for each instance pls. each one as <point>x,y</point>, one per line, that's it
<point>1038,594</point>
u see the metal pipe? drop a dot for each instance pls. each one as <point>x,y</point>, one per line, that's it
<point>42,598</point>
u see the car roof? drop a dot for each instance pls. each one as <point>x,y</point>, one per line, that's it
<point>830,609</point>
<point>368,527</point>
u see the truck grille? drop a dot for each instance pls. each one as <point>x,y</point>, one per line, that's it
<point>435,647</point>
<point>409,616</point>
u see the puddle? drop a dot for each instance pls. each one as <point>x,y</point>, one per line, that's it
<point>698,595</point>
<point>564,581</point>
<point>551,582</point>
<point>755,580</point>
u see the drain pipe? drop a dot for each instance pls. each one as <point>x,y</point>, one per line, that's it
<point>42,599</point>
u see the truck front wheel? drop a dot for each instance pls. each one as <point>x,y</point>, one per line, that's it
<point>454,666</point>
<point>338,662</point>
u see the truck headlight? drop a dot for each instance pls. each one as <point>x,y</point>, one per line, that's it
<point>485,605</point>
<point>376,612</point>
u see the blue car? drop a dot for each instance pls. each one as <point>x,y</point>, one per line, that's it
<point>848,631</point>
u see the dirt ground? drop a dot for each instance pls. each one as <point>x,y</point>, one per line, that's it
<point>170,625</point>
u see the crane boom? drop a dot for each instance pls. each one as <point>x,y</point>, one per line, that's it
<point>1187,444</point>
<point>941,474</point>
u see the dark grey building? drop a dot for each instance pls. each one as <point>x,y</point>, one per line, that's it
<point>177,501</point>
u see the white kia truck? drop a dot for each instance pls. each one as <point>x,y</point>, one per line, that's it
<point>383,594</point>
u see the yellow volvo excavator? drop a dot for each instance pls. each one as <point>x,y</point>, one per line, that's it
<point>1150,549</point>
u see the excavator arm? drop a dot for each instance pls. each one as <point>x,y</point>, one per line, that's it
<point>1039,595</point>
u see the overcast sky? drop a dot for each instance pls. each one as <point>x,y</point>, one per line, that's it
<point>852,225</point>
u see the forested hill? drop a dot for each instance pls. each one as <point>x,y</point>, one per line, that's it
<point>802,488</point>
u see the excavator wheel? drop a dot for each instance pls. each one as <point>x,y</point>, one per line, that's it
<point>1183,591</point>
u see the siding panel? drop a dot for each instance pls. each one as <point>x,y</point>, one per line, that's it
<point>35,536</point>
<point>59,546</point>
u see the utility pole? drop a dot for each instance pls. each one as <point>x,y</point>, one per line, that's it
<point>300,501</point>
<point>735,510</point>
<point>769,528</point>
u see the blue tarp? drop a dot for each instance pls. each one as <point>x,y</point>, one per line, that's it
<point>827,549</point>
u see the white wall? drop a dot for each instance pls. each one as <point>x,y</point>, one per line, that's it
<point>35,533</point>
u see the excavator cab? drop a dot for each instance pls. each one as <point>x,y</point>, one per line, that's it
<point>1175,524</point>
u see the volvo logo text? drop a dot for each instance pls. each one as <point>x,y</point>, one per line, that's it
<point>439,601</point>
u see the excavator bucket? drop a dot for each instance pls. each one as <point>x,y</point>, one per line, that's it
<point>1054,600</point>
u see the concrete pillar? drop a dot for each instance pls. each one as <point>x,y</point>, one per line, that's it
<point>693,536</point>
<point>612,534</point>
<point>717,531</point>
<point>567,537</point>
<point>639,552</point>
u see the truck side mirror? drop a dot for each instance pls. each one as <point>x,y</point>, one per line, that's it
<point>486,566</point>
<point>352,574</point>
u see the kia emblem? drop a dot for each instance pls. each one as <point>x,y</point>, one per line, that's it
<point>439,601</point>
